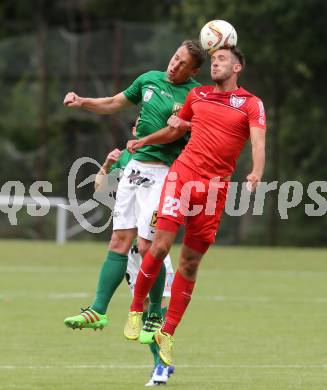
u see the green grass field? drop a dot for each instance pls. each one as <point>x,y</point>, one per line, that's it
<point>258,320</point>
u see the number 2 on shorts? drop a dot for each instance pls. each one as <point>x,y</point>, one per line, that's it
<point>170,206</point>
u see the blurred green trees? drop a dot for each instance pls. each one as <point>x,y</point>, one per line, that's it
<point>97,47</point>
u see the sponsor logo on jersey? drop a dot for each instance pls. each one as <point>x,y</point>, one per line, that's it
<point>236,101</point>
<point>164,93</point>
<point>176,108</point>
<point>148,95</point>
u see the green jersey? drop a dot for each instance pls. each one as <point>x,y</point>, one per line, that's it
<point>123,160</point>
<point>160,99</point>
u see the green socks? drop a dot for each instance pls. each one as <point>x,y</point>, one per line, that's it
<point>157,291</point>
<point>111,275</point>
<point>153,346</point>
<point>155,352</point>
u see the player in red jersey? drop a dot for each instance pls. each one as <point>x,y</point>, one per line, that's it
<point>221,118</point>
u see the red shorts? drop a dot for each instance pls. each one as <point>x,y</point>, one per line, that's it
<point>190,199</point>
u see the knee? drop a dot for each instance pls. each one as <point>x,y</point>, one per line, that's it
<point>143,247</point>
<point>188,267</point>
<point>119,243</point>
<point>162,243</point>
<point>159,249</point>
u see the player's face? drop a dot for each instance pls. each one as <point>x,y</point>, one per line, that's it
<point>223,66</point>
<point>181,66</point>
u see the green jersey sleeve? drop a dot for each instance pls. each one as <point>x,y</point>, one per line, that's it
<point>123,160</point>
<point>134,91</point>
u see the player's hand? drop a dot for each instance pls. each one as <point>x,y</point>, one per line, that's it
<point>252,181</point>
<point>174,121</point>
<point>73,100</point>
<point>178,123</point>
<point>134,144</point>
<point>113,156</point>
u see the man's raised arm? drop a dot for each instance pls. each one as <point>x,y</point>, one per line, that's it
<point>106,105</point>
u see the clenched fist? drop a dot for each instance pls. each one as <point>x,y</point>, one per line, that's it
<point>73,100</point>
<point>134,144</point>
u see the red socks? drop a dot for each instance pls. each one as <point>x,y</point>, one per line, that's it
<point>146,277</point>
<point>181,293</point>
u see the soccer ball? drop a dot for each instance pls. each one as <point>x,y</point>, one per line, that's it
<point>216,34</point>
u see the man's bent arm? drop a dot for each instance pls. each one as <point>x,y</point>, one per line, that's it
<point>164,136</point>
<point>176,128</point>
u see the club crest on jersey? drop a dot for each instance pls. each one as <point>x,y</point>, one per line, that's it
<point>148,95</point>
<point>176,108</point>
<point>236,101</point>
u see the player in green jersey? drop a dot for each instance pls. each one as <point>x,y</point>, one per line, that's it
<point>105,181</point>
<point>160,95</point>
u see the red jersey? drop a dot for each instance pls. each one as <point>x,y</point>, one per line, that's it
<point>221,124</point>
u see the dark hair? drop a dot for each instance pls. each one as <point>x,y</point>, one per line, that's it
<point>194,48</point>
<point>238,54</point>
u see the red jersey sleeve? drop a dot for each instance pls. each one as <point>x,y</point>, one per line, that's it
<point>256,113</point>
<point>186,111</point>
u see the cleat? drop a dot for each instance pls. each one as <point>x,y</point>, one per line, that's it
<point>171,370</point>
<point>133,325</point>
<point>150,383</point>
<point>151,325</point>
<point>160,375</point>
<point>88,318</point>
<point>165,343</point>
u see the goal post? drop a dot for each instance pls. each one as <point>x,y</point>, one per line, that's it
<point>12,204</point>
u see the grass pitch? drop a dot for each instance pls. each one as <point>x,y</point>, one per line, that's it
<point>257,321</point>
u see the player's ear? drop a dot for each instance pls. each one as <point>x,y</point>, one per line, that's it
<point>237,68</point>
<point>194,71</point>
